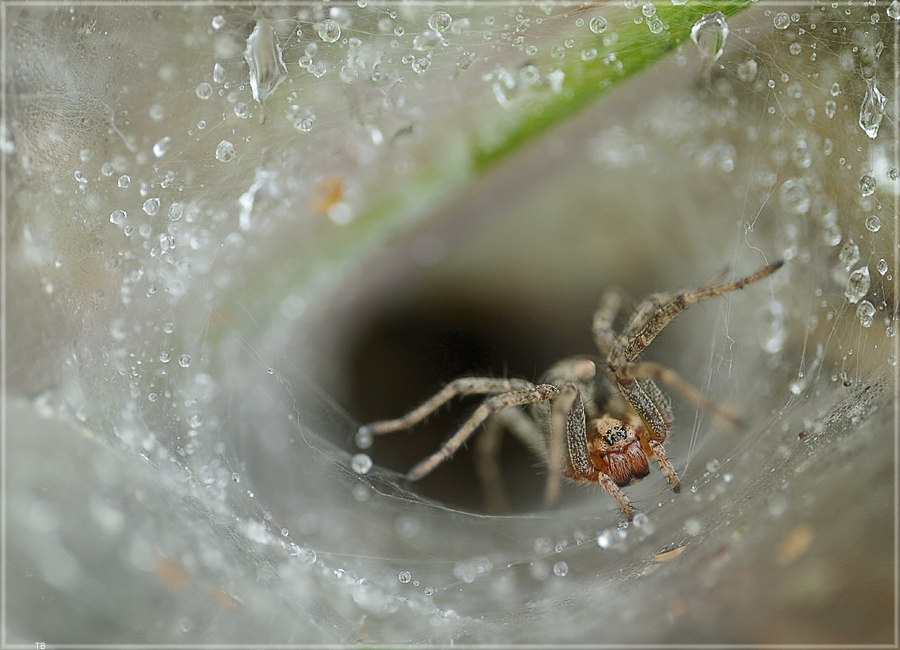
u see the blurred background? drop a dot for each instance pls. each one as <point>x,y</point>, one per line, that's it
<point>234,234</point>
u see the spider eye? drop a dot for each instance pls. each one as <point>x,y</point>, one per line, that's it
<point>615,434</point>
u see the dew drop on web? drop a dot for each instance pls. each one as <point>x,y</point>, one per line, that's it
<point>709,34</point>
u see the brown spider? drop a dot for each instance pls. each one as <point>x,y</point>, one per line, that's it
<point>589,426</point>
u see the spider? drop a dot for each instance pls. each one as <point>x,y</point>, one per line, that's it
<point>592,419</point>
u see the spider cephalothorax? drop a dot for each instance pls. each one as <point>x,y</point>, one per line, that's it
<point>615,450</point>
<point>591,420</point>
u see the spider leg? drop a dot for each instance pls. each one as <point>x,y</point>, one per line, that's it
<point>664,465</point>
<point>610,486</point>
<point>657,311</point>
<point>567,427</point>
<point>487,451</point>
<point>487,465</point>
<point>525,429</point>
<point>458,387</point>
<point>539,393</point>
<point>602,328</point>
<point>636,380</point>
<point>567,417</point>
<point>616,493</point>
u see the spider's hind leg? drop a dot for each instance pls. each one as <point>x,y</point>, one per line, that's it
<point>487,453</point>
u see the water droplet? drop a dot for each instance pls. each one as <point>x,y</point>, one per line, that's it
<point>865,312</point>
<point>775,334</point>
<point>307,555</point>
<point>655,25</point>
<point>893,10</point>
<point>329,31</point>
<point>117,216</point>
<point>176,211</point>
<point>849,255</point>
<point>203,90</point>
<point>649,10</point>
<point>168,328</point>
<point>117,330</point>
<point>873,223</point>
<point>124,181</point>
<point>830,108</point>
<point>794,196</point>
<point>712,465</point>
<point>561,569</point>
<point>469,571</point>
<point>693,526</point>
<point>427,40</point>
<point>747,70</point>
<point>882,267</point>
<point>801,155</point>
<point>428,591</point>
<point>151,206</point>
<point>872,110</point>
<point>184,360</point>
<point>263,57</point>
<point>440,21</point>
<point>363,438</point>
<point>420,64</point>
<point>305,124</point>
<point>225,151</point>
<point>164,356</point>
<point>361,463</point>
<point>341,15</point>
<point>218,73</point>
<point>218,22</point>
<point>867,185</point>
<point>781,20</point>
<point>404,577</point>
<point>777,505</point>
<point>241,109</point>
<point>857,285</point>
<point>598,24</point>
<point>709,34</point>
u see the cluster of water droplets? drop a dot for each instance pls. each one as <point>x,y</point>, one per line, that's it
<point>165,236</point>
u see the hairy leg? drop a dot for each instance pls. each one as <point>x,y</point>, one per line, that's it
<point>539,393</point>
<point>456,388</point>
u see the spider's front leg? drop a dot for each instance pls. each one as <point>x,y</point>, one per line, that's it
<point>457,388</point>
<point>569,430</point>
<point>539,393</point>
<point>655,418</point>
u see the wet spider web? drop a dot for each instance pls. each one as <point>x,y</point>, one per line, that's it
<point>220,450</point>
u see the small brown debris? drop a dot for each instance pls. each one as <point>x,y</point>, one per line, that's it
<point>665,556</point>
<point>795,544</point>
